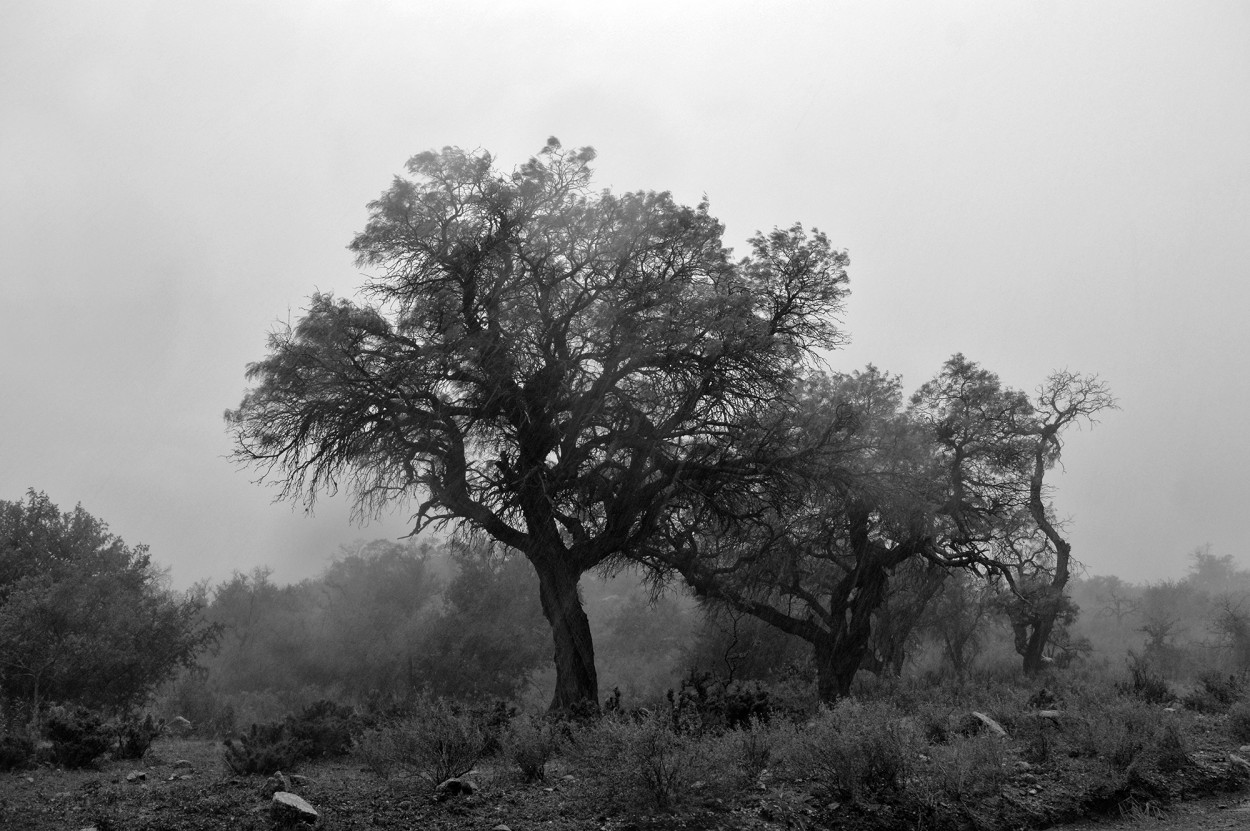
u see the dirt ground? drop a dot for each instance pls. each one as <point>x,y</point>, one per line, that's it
<point>182,785</point>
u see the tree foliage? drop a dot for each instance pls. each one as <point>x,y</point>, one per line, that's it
<point>543,363</point>
<point>84,618</point>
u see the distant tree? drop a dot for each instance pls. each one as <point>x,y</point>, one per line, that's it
<point>997,446</point>
<point>546,364</point>
<point>489,636</point>
<point>84,618</point>
<point>957,618</point>
<point>815,559</point>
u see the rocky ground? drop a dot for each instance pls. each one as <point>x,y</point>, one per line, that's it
<point>182,785</point>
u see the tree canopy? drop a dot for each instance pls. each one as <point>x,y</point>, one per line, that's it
<point>544,364</point>
<point>84,617</point>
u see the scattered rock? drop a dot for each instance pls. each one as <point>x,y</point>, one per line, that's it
<point>454,787</point>
<point>993,726</point>
<point>1245,748</point>
<point>501,827</point>
<point>179,726</point>
<point>136,776</point>
<point>568,777</point>
<point>183,763</point>
<point>276,784</point>
<point>1239,761</point>
<point>288,809</point>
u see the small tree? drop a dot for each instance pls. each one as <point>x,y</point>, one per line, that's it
<point>542,363</point>
<point>83,617</point>
<point>997,446</point>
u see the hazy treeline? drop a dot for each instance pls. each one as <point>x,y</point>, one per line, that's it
<point>387,620</point>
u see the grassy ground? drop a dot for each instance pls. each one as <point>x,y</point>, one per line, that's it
<point>915,760</point>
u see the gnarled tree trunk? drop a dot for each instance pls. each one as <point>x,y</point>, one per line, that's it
<point>577,683</point>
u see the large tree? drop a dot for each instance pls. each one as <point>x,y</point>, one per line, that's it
<point>542,363</point>
<point>84,617</point>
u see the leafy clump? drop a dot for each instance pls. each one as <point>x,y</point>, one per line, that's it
<point>79,736</point>
<point>704,702</point>
<point>326,728</point>
<point>323,729</point>
<point>134,735</point>
<point>16,752</point>
<point>266,749</point>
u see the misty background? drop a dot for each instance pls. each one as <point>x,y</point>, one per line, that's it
<point>1036,185</point>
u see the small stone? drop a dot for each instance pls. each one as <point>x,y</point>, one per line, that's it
<point>289,808</point>
<point>1245,748</point>
<point>183,763</point>
<point>994,727</point>
<point>276,783</point>
<point>454,787</point>
<point>568,777</point>
<point>501,827</point>
<point>136,776</point>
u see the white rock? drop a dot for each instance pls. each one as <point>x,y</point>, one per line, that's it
<point>288,807</point>
<point>994,727</point>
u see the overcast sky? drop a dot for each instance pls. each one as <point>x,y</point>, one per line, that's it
<point>1037,185</point>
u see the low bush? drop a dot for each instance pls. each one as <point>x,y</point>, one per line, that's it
<point>753,744</point>
<point>265,749</point>
<point>530,742</point>
<point>79,736</point>
<point>1215,693</point>
<point>438,741</point>
<point>135,735</point>
<point>704,702</point>
<point>966,770</point>
<point>16,752</point>
<point>857,749</point>
<point>642,761</point>
<point>327,728</point>
<point>1239,721</point>
<point>1145,682</point>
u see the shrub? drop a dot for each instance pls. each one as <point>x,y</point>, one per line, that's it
<point>1239,721</point>
<point>438,742</point>
<point>16,752</point>
<point>530,742</point>
<point>1145,682</point>
<point>1215,693</point>
<point>79,736</point>
<point>135,735</point>
<point>638,762</point>
<point>704,702</point>
<point>754,745</point>
<point>266,749</point>
<point>967,769</point>
<point>859,749</point>
<point>326,728</point>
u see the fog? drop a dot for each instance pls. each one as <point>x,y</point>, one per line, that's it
<point>1037,185</point>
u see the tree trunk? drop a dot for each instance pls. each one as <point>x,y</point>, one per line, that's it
<point>577,684</point>
<point>1035,642</point>
<point>835,669</point>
